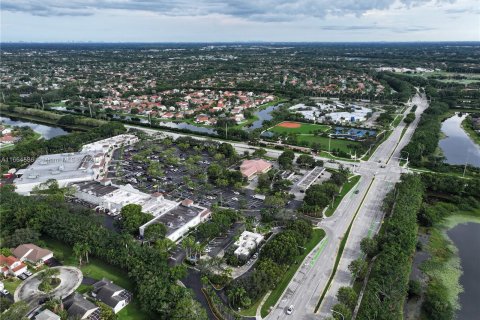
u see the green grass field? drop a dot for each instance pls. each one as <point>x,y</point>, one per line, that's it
<point>305,128</point>
<point>98,269</point>
<point>343,145</point>
<point>318,235</point>
<point>305,137</point>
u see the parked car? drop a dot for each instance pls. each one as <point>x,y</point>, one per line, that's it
<point>255,256</point>
<point>5,292</point>
<point>28,273</point>
<point>290,309</point>
<point>22,276</point>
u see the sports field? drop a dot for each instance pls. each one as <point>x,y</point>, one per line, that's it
<point>298,127</point>
<point>305,136</point>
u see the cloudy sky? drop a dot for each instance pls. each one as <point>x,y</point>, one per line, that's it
<point>239,20</point>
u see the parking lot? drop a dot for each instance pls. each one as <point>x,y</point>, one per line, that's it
<point>178,182</point>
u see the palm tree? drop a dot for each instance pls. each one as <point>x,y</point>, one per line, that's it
<point>77,251</point>
<point>86,250</point>
<point>188,244</point>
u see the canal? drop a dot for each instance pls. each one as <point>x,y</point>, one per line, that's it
<point>47,132</point>
<point>466,237</point>
<point>457,147</point>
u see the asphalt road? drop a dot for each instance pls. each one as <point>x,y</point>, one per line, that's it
<point>378,176</point>
<point>309,282</point>
<point>70,278</point>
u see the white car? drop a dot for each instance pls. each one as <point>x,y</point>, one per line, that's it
<point>235,199</point>
<point>290,309</point>
<point>5,292</point>
<point>28,273</point>
<point>236,192</point>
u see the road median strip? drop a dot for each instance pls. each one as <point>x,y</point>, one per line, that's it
<point>340,250</point>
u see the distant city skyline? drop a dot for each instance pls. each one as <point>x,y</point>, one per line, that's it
<point>239,21</point>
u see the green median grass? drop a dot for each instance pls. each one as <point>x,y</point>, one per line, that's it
<point>317,236</point>
<point>340,250</point>
<point>345,189</point>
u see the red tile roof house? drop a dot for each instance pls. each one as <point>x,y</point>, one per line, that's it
<point>32,253</point>
<point>11,266</point>
<point>250,168</point>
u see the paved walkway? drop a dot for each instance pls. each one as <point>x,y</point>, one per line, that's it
<point>70,280</point>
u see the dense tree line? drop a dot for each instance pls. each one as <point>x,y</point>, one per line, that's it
<point>156,288</point>
<point>425,139</point>
<point>387,285</point>
<point>404,89</point>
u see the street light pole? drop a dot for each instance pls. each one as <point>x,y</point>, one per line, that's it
<point>343,318</point>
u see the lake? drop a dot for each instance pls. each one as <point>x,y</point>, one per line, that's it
<point>47,132</point>
<point>187,126</point>
<point>466,237</point>
<point>457,146</point>
<point>263,115</point>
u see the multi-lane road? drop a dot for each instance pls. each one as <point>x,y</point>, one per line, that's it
<point>378,176</point>
<point>361,210</point>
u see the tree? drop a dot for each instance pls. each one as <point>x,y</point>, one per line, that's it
<point>133,218</point>
<point>259,153</point>
<point>187,245</point>
<point>342,312</point>
<point>106,313</point>
<point>47,278</point>
<point>347,296</point>
<point>17,311</point>
<point>358,268</point>
<point>285,159</point>
<point>369,246</point>
<point>78,252</point>
<point>188,308</point>
<point>154,232</point>
<point>5,303</point>
<point>214,172</point>
<point>24,235</point>
<point>305,160</point>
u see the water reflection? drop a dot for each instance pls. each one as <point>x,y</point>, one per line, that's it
<point>457,146</point>
<point>47,132</point>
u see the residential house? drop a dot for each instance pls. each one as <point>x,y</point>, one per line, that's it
<point>112,295</point>
<point>11,266</point>
<point>79,307</point>
<point>32,253</point>
<point>47,315</point>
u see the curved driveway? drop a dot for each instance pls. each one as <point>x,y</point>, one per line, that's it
<point>70,280</point>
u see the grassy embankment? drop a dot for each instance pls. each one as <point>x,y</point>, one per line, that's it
<point>444,264</point>
<point>466,125</point>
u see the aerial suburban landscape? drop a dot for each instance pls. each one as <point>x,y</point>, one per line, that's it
<point>297,176</point>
